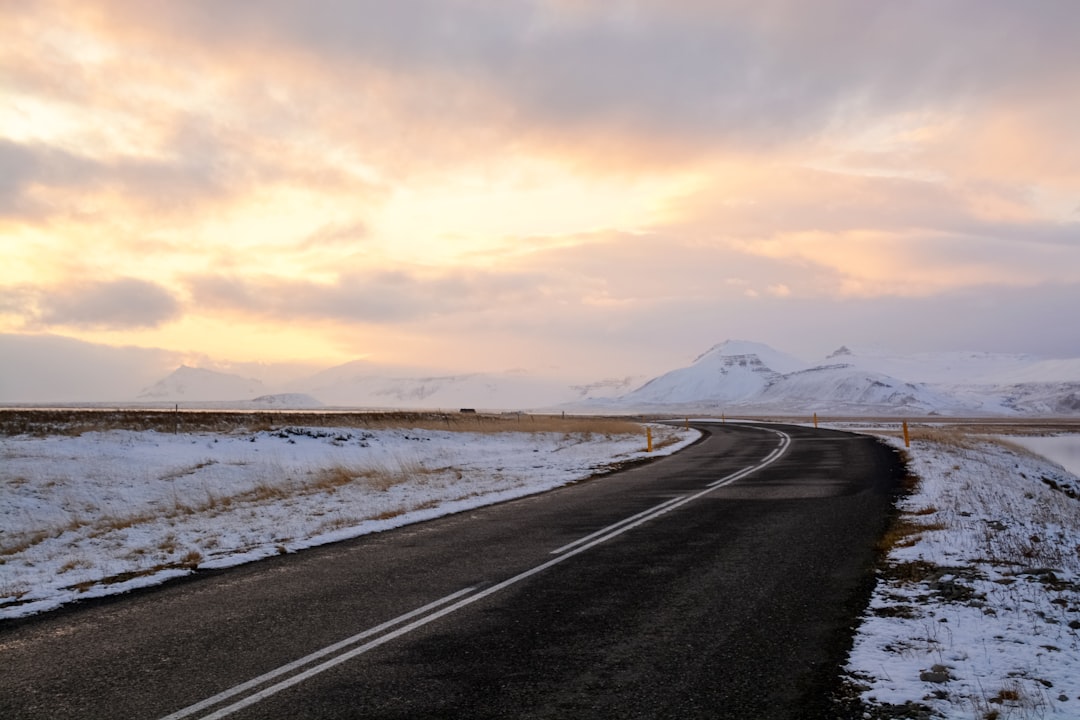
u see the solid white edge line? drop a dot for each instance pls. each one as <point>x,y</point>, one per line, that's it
<point>343,657</point>
<point>307,659</point>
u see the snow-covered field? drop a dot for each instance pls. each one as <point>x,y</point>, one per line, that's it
<point>978,613</point>
<point>104,512</point>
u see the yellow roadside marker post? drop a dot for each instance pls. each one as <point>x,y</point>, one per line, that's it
<point>907,437</point>
<point>815,421</point>
<point>648,438</point>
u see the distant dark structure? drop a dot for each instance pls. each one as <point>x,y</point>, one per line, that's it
<point>469,410</point>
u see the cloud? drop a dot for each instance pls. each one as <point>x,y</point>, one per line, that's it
<point>377,296</point>
<point>51,369</point>
<point>38,181</point>
<point>122,304</point>
<point>542,177</point>
<point>718,72</point>
<point>24,166</point>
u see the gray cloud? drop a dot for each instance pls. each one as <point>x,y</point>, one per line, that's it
<point>49,368</point>
<point>162,183</point>
<point>22,166</point>
<point>126,303</point>
<point>701,71</point>
<point>380,297</point>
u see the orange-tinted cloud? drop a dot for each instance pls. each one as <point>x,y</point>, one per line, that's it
<point>429,172</point>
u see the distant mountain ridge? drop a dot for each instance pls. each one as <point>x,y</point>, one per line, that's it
<point>751,377</point>
<point>735,375</point>
<point>202,385</point>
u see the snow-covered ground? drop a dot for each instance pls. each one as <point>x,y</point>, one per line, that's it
<point>978,612</point>
<point>105,512</point>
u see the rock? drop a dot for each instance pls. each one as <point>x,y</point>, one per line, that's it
<point>936,674</point>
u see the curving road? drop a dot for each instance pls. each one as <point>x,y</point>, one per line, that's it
<point>721,582</point>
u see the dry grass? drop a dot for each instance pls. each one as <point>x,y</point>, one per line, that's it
<point>948,436</point>
<point>905,532</point>
<point>324,480</point>
<point>44,422</point>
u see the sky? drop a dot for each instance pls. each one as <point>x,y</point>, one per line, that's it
<point>583,189</point>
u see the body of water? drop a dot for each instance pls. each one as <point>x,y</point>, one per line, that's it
<point>1063,449</point>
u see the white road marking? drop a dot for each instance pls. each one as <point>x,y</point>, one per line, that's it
<point>615,525</point>
<point>583,545</point>
<point>769,459</point>
<point>254,682</point>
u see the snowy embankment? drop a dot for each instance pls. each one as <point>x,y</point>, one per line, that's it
<point>977,612</point>
<point>105,512</point>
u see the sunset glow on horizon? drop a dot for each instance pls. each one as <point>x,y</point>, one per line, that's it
<point>580,188</point>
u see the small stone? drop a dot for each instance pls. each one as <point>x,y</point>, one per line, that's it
<point>936,674</point>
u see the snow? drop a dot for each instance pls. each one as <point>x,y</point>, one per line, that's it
<point>731,372</point>
<point>772,358</point>
<point>751,378</point>
<point>285,400</point>
<point>950,368</point>
<point>842,389</point>
<point>733,376</point>
<point>200,384</point>
<point>105,512</point>
<point>980,611</point>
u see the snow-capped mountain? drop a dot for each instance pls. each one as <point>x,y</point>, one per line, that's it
<point>733,371</point>
<point>735,375</point>
<point>956,368</point>
<point>363,384</point>
<point>744,374</point>
<point>201,385</point>
<point>844,389</point>
<point>752,377</point>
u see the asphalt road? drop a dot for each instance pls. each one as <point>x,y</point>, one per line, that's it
<point>722,582</point>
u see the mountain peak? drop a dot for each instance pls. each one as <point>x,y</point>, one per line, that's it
<point>200,384</point>
<point>772,359</point>
<point>729,348</point>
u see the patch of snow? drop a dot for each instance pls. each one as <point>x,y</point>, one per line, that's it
<point>980,611</point>
<point>940,367</point>
<point>842,389</point>
<point>104,512</point>
<point>286,400</point>
<point>771,358</point>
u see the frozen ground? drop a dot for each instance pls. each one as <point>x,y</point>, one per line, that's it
<point>105,512</point>
<point>977,614</point>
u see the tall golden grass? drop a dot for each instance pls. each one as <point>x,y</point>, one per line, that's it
<point>43,422</point>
